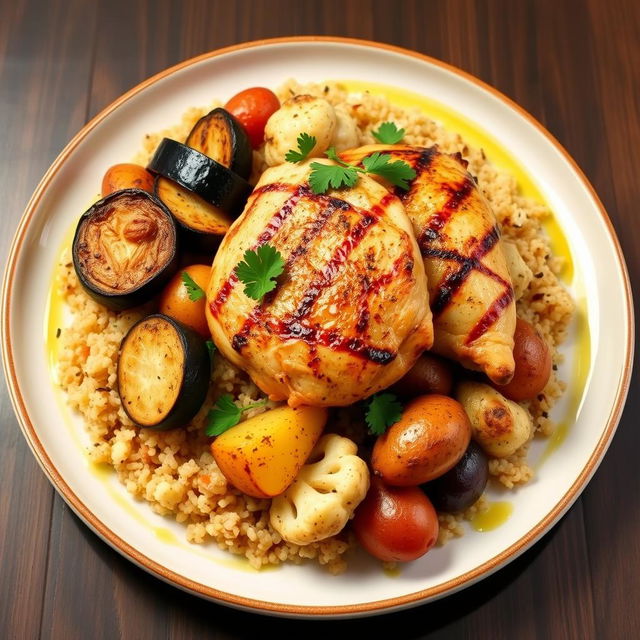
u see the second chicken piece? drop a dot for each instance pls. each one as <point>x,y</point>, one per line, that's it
<point>470,288</point>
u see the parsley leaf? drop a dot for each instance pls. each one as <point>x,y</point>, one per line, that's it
<point>325,175</point>
<point>388,133</point>
<point>226,414</point>
<point>211,348</point>
<point>259,270</point>
<point>332,154</point>
<point>193,290</point>
<point>342,174</point>
<point>384,410</point>
<point>305,147</point>
<point>398,173</point>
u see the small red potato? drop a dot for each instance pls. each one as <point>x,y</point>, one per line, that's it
<point>533,364</point>
<point>428,440</point>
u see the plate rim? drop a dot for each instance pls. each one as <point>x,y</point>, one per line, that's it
<point>367,608</point>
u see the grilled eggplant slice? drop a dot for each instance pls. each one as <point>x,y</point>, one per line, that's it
<point>125,248</point>
<point>213,182</point>
<point>221,137</point>
<point>163,373</point>
<point>201,225</point>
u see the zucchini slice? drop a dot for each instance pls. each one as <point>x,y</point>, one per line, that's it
<point>125,248</point>
<point>221,137</point>
<point>200,223</point>
<point>163,373</point>
<point>213,182</point>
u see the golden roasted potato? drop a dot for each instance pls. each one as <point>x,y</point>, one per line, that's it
<point>428,440</point>
<point>500,426</point>
<point>262,455</point>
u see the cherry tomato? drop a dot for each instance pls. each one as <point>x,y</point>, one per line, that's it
<point>176,303</point>
<point>126,176</point>
<point>533,364</point>
<point>396,524</point>
<point>253,107</point>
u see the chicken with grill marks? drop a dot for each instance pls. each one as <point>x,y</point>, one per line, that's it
<point>349,315</point>
<point>470,289</point>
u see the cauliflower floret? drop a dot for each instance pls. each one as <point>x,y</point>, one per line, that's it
<point>300,114</point>
<point>499,426</point>
<point>346,134</point>
<point>324,495</point>
<point>520,273</point>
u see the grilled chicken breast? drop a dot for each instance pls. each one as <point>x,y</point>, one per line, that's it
<point>470,289</point>
<point>349,315</point>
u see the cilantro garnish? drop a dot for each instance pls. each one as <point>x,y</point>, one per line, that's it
<point>324,176</point>
<point>193,290</point>
<point>259,270</point>
<point>211,348</point>
<point>383,410</point>
<point>305,146</point>
<point>398,173</point>
<point>388,133</point>
<point>343,174</point>
<point>226,414</point>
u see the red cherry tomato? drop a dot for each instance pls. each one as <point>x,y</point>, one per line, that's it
<point>253,107</point>
<point>396,524</point>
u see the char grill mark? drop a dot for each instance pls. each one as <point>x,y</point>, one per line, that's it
<point>458,193</point>
<point>334,340</point>
<point>454,281</point>
<point>293,328</point>
<point>259,311</point>
<point>370,288</point>
<point>333,267</point>
<point>491,315</point>
<point>271,229</point>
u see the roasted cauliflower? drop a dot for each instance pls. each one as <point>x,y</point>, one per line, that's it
<point>300,114</point>
<point>324,495</point>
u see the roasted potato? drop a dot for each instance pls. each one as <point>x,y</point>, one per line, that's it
<point>263,455</point>
<point>533,364</point>
<point>428,440</point>
<point>500,426</point>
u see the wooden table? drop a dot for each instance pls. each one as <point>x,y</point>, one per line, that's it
<point>574,65</point>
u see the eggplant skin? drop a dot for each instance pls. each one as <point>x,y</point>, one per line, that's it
<point>222,138</point>
<point>195,379</point>
<point>191,238</point>
<point>196,172</point>
<point>133,293</point>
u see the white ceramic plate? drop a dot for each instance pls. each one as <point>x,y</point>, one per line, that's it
<point>154,542</point>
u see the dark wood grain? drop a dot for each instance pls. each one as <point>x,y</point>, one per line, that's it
<point>574,65</point>
<point>45,69</point>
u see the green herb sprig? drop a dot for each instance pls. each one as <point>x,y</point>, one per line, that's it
<point>194,291</point>
<point>259,270</point>
<point>226,414</point>
<point>305,147</point>
<point>383,410</point>
<point>388,133</point>
<point>343,174</point>
<point>211,348</point>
